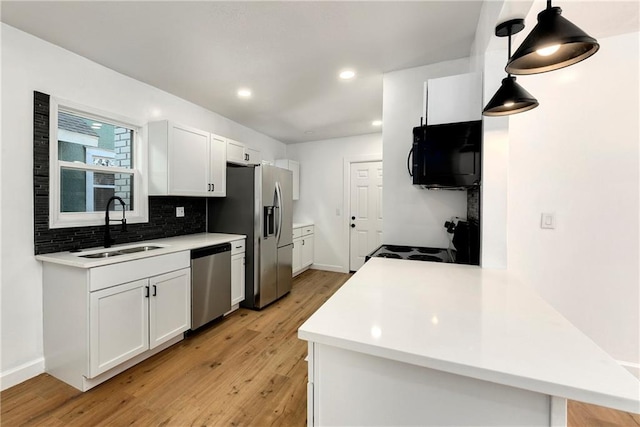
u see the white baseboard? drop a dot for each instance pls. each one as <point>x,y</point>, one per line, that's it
<point>21,373</point>
<point>333,268</point>
<point>634,368</point>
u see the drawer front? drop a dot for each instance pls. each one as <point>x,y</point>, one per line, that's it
<point>297,232</point>
<point>237,247</point>
<point>307,230</point>
<point>128,271</point>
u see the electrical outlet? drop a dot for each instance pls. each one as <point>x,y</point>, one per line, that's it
<point>180,212</point>
<point>548,220</point>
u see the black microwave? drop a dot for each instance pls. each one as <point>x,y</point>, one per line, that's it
<point>447,156</point>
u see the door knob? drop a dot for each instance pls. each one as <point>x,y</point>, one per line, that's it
<point>353,226</point>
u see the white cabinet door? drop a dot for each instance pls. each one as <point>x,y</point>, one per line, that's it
<point>169,306</point>
<point>118,325</point>
<point>454,99</point>
<point>237,279</point>
<point>188,161</point>
<point>294,167</point>
<point>217,167</point>
<point>240,154</point>
<point>297,255</point>
<point>252,156</point>
<point>235,152</point>
<point>307,251</point>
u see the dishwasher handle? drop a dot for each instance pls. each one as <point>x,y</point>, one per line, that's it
<point>210,250</point>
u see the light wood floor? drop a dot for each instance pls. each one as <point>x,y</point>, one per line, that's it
<point>247,370</point>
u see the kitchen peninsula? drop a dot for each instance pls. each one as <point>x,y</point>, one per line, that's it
<point>420,343</point>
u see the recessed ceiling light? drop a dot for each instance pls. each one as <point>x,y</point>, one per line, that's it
<point>377,123</point>
<point>244,93</point>
<point>347,74</point>
<point>308,132</point>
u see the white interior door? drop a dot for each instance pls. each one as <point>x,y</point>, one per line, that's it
<point>365,209</point>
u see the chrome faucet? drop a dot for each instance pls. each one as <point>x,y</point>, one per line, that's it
<point>107,234</point>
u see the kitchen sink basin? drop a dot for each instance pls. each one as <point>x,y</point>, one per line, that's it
<point>124,251</point>
<point>139,249</point>
<point>102,254</point>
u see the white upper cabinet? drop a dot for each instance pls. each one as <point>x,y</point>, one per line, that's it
<point>240,154</point>
<point>454,99</point>
<point>184,161</point>
<point>294,167</point>
<point>218,166</point>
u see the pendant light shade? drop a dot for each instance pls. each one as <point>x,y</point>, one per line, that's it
<point>511,98</point>
<point>553,43</point>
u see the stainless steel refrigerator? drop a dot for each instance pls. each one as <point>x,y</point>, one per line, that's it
<point>259,204</point>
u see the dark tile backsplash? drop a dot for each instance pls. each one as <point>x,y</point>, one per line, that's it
<point>162,209</point>
<point>473,204</point>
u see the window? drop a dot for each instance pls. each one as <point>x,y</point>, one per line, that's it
<point>94,156</point>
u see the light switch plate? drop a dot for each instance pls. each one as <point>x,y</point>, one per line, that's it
<point>180,212</point>
<point>548,220</point>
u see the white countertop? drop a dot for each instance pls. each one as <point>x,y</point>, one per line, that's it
<point>470,321</point>
<point>170,245</point>
<point>302,224</point>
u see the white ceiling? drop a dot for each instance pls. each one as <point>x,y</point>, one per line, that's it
<point>288,53</point>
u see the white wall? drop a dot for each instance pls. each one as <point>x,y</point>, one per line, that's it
<point>577,155</point>
<point>413,216</point>
<point>30,64</point>
<point>322,193</point>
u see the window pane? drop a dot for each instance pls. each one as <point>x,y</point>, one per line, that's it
<point>93,142</point>
<point>84,191</point>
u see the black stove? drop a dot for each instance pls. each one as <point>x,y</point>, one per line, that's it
<point>422,257</point>
<point>389,255</point>
<point>398,249</point>
<point>416,253</point>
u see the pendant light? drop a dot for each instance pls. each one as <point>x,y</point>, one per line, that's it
<point>552,44</point>
<point>511,98</point>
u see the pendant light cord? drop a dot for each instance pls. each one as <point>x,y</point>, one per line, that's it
<point>509,51</point>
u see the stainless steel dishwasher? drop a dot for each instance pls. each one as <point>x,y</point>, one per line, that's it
<point>210,283</point>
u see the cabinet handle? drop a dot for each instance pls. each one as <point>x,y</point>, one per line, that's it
<point>303,243</point>
<point>147,292</point>
<point>155,290</point>
<point>238,247</point>
<point>213,187</point>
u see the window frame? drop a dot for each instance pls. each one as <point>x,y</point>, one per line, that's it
<point>139,171</point>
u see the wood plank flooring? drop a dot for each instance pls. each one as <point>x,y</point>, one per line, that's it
<point>246,370</point>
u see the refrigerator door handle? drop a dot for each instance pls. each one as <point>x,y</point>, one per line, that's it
<point>279,226</point>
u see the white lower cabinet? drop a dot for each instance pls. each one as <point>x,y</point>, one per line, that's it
<point>307,250</point>
<point>118,325</point>
<point>169,306</point>
<point>302,248</point>
<point>237,273</point>
<point>103,320</point>
<point>129,319</point>
<point>297,256</point>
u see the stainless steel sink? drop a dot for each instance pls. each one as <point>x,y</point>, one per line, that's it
<point>125,251</point>
<point>139,249</point>
<point>102,254</point>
